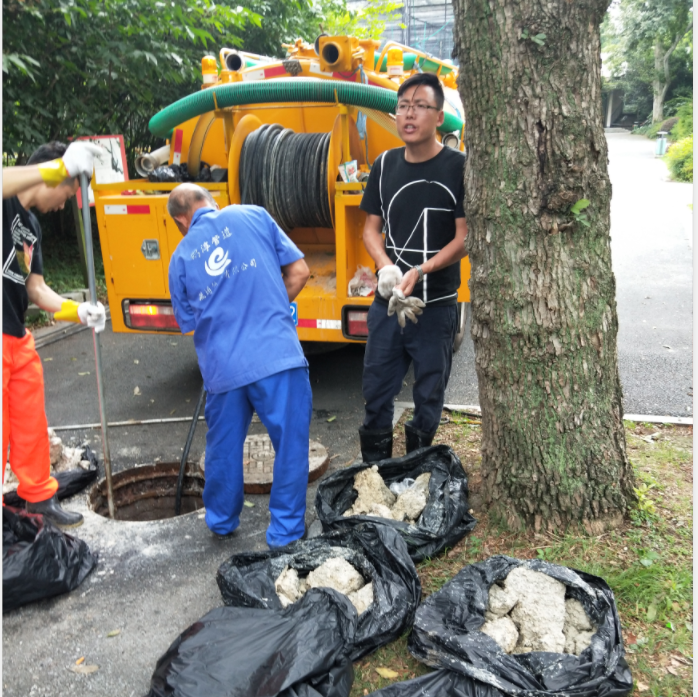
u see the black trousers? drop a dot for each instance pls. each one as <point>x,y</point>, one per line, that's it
<point>390,350</point>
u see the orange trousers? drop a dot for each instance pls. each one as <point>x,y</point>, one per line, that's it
<point>24,425</point>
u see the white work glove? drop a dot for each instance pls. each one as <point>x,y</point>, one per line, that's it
<point>93,316</point>
<point>79,158</point>
<point>405,308</point>
<point>388,277</point>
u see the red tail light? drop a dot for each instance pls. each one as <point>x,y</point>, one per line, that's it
<point>357,323</point>
<point>150,316</point>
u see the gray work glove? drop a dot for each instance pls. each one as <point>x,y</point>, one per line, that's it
<point>388,277</point>
<point>405,308</point>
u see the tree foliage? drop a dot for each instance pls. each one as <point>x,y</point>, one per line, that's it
<point>649,52</point>
<point>74,67</point>
<point>365,23</point>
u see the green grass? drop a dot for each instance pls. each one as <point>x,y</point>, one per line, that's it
<point>648,562</point>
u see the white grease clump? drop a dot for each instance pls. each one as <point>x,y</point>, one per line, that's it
<point>528,612</point>
<point>375,499</point>
<point>336,573</point>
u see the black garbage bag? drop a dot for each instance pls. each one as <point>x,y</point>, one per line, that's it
<point>376,551</point>
<point>39,560</point>
<point>440,683</point>
<point>165,174</point>
<point>70,482</point>
<point>248,652</point>
<point>446,635</point>
<point>444,521</point>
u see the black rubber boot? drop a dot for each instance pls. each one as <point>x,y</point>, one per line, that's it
<point>376,445</point>
<point>52,511</point>
<point>415,439</point>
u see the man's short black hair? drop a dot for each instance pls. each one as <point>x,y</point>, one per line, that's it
<point>47,152</point>
<point>428,79</point>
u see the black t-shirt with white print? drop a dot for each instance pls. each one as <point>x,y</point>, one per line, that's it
<point>21,255</point>
<point>419,203</point>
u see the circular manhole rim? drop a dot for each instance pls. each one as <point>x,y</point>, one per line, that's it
<point>140,474</point>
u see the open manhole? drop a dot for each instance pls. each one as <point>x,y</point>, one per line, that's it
<point>148,492</point>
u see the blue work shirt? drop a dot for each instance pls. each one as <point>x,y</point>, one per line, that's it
<point>226,286</point>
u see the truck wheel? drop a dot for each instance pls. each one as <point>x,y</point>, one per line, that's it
<point>463,312</point>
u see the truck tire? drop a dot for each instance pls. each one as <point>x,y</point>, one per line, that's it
<point>463,312</point>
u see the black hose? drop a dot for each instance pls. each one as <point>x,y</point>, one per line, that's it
<point>185,453</point>
<point>286,173</point>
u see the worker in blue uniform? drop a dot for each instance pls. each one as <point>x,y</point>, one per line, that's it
<point>232,278</point>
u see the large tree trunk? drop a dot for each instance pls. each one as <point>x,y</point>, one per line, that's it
<point>542,288</point>
<point>660,83</point>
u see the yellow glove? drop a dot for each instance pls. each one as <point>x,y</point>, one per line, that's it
<point>53,173</point>
<point>68,312</point>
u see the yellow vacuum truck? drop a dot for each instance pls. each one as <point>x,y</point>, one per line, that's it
<point>297,136</point>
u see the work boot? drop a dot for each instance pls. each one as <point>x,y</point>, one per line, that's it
<point>415,439</point>
<point>376,445</point>
<point>52,511</point>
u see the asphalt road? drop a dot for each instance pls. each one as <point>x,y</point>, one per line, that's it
<point>154,579</point>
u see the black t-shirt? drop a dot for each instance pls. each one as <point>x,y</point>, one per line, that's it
<point>419,203</point>
<point>21,255</point>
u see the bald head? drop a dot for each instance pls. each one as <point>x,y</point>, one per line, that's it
<point>184,201</point>
<point>186,198</point>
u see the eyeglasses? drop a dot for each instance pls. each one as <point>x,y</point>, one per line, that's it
<point>403,108</point>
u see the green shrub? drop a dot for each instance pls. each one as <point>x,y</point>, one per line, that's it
<point>680,160</point>
<point>672,106</point>
<point>684,127</point>
<point>650,130</point>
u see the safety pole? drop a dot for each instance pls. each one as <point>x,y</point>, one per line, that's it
<point>90,262</point>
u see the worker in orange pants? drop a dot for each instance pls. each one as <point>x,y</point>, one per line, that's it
<point>46,184</point>
<point>24,426</point>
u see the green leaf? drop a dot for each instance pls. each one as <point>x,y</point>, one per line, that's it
<point>646,562</point>
<point>331,419</point>
<point>651,613</point>
<point>580,206</point>
<point>249,504</point>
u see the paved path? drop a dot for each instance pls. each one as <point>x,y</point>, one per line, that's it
<point>651,244</point>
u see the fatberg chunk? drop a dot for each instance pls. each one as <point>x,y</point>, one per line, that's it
<point>287,586</point>
<point>338,574</point>
<point>503,631</point>
<point>362,598</point>
<point>539,613</point>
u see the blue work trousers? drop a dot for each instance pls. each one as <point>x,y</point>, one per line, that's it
<point>389,351</point>
<point>284,403</point>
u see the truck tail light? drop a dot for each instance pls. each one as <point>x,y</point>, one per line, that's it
<point>150,316</point>
<point>357,323</point>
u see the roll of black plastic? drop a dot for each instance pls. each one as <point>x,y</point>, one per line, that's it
<point>286,173</point>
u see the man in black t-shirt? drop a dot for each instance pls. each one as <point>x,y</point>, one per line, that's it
<point>46,184</point>
<point>416,193</point>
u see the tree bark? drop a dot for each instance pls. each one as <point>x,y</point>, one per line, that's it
<point>544,318</point>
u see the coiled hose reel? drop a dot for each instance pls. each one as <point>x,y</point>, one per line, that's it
<point>286,173</point>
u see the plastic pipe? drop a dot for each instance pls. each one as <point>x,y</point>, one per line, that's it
<point>145,164</point>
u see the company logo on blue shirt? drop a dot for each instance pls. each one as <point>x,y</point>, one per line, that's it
<point>217,262</point>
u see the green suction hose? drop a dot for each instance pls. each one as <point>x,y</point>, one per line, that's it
<point>296,89</point>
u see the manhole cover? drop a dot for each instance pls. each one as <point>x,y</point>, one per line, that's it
<point>258,463</point>
<point>148,492</point>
